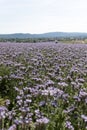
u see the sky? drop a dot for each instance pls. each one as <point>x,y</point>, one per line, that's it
<point>40,16</point>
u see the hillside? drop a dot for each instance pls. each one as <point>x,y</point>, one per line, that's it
<point>44,35</point>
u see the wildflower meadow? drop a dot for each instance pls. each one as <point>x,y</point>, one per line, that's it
<point>43,86</point>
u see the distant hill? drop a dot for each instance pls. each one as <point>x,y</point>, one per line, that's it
<point>44,35</point>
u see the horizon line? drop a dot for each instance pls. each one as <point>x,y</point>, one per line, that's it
<point>40,33</point>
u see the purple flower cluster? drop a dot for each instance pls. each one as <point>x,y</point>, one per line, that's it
<point>47,86</point>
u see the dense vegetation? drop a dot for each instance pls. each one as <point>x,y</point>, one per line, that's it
<point>43,86</point>
<point>36,40</point>
<point>45,37</point>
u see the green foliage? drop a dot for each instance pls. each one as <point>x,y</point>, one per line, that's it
<point>4,70</point>
<point>4,73</point>
<point>2,102</point>
<point>6,84</point>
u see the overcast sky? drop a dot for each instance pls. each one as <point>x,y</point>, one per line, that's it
<point>39,16</point>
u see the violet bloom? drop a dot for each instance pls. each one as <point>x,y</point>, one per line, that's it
<point>69,125</point>
<point>7,102</point>
<point>84,118</point>
<point>3,111</point>
<point>43,120</point>
<point>13,127</point>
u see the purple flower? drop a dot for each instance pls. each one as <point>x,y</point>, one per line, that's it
<point>42,104</point>
<point>43,120</point>
<point>84,118</point>
<point>3,111</point>
<point>69,125</point>
<point>7,102</point>
<point>13,127</point>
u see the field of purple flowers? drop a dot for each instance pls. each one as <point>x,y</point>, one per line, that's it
<point>43,86</point>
